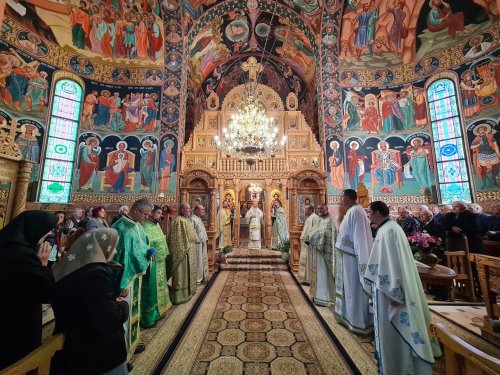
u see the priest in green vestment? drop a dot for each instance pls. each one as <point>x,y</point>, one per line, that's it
<point>181,263</point>
<point>132,253</point>
<point>155,300</point>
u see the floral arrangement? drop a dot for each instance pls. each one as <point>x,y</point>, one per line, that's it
<point>283,246</point>
<point>426,248</point>
<point>221,258</point>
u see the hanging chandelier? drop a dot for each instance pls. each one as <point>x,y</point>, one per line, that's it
<point>250,133</point>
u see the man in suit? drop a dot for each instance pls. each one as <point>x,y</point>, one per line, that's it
<point>462,221</point>
<point>431,225</point>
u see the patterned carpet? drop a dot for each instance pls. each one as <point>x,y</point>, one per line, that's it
<point>253,322</point>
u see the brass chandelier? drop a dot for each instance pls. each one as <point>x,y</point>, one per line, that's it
<point>250,133</point>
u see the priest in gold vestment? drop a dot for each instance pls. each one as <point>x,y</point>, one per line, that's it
<point>305,260</point>
<point>181,263</point>
<point>224,226</point>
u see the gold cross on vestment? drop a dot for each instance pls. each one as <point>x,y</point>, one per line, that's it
<point>252,67</point>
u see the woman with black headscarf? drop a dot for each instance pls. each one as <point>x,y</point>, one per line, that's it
<point>87,308</point>
<point>25,283</point>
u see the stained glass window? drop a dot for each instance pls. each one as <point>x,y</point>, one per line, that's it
<point>447,133</point>
<point>61,143</point>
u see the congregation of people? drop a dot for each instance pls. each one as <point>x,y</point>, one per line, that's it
<point>104,282</point>
<point>359,263</point>
<point>107,282</point>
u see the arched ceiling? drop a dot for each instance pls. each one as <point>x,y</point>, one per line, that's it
<point>280,35</point>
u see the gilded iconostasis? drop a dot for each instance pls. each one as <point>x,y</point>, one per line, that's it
<point>404,96</point>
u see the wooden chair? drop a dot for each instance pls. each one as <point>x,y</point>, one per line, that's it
<point>457,258</point>
<point>488,269</point>
<point>462,358</point>
<point>38,359</point>
<point>491,248</point>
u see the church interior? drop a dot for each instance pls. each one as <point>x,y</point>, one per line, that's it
<point>106,102</point>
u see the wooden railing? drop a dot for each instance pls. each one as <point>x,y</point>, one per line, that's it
<point>264,165</point>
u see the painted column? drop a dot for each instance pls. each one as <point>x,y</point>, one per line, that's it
<point>21,193</point>
<point>212,230</point>
<point>294,234</point>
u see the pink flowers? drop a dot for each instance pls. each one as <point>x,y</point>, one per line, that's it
<point>423,241</point>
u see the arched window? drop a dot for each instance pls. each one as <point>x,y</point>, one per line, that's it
<point>451,163</point>
<point>61,142</point>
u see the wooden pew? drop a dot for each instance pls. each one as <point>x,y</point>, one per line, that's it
<point>37,359</point>
<point>462,358</point>
<point>488,269</point>
<point>457,258</point>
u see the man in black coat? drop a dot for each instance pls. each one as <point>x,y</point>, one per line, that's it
<point>431,225</point>
<point>462,221</point>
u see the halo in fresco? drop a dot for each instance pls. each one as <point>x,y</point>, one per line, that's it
<point>237,31</point>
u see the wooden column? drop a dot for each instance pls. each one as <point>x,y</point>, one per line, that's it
<point>212,230</point>
<point>183,195</point>
<point>21,193</point>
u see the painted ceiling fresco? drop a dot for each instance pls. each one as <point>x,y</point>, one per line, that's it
<point>250,32</point>
<point>127,32</point>
<point>385,33</point>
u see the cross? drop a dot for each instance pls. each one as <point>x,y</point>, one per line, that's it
<point>252,67</point>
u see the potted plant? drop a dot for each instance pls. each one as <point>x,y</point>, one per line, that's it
<point>222,254</point>
<point>426,249</point>
<point>284,248</point>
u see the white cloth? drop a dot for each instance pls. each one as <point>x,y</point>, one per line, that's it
<point>279,229</point>
<point>305,262</point>
<point>322,276</point>
<point>402,339</point>
<point>201,248</point>
<point>254,216</point>
<point>353,247</point>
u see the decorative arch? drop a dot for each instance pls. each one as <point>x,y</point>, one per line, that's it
<point>191,176</point>
<point>266,96</point>
<point>308,174</point>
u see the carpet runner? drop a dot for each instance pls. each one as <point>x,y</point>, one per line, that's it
<point>256,321</point>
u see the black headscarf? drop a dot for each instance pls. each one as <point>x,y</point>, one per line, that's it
<point>27,229</point>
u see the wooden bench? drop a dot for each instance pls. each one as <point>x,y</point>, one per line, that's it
<point>488,269</point>
<point>38,359</point>
<point>462,358</point>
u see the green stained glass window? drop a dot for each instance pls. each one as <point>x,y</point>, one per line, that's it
<point>61,143</point>
<point>453,176</point>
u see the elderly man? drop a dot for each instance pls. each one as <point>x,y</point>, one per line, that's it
<point>482,217</point>
<point>402,340</point>
<point>201,247</point>
<point>132,253</point>
<point>254,216</point>
<point>305,260</point>
<point>181,263</point>
<point>406,221</point>
<point>431,225</point>
<point>353,245</point>
<point>224,226</point>
<point>123,210</point>
<point>443,211</point>
<point>71,224</point>
<point>155,300</point>
<point>463,222</point>
<point>321,240</point>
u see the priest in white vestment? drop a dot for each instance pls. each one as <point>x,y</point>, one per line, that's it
<point>401,315</point>
<point>305,262</point>
<point>254,216</point>
<point>353,246</point>
<point>280,227</point>
<point>201,247</point>
<point>321,240</point>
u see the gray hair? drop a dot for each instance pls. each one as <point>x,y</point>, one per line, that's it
<point>428,212</point>
<point>142,204</point>
<point>78,209</point>
<point>404,208</point>
<point>474,207</point>
<point>122,209</point>
<point>460,204</point>
<point>182,206</point>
